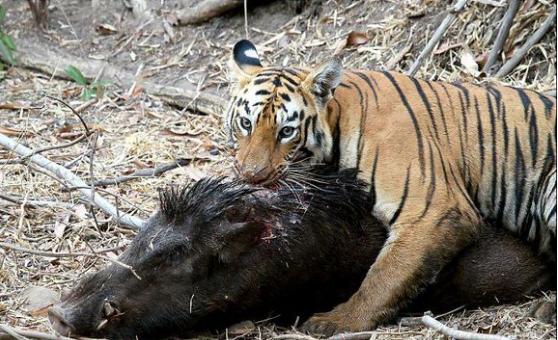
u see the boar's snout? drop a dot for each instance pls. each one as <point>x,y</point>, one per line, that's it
<point>57,317</point>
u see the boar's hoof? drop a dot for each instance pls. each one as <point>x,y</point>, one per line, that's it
<point>60,325</point>
<point>544,310</point>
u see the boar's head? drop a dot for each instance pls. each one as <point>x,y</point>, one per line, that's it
<point>212,250</point>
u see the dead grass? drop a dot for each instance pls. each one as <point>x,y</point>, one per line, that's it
<point>139,131</point>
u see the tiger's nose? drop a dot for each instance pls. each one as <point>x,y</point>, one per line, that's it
<point>255,175</point>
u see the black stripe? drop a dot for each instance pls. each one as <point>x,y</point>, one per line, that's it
<point>462,190</point>
<point>432,187</point>
<point>525,101</point>
<point>520,173</point>
<point>413,118</point>
<point>480,136</point>
<point>442,114</point>
<point>465,92</point>
<point>373,177</point>
<point>443,166</point>
<point>362,112</point>
<point>548,104</point>
<point>306,126</point>
<point>285,97</point>
<point>290,80</point>
<point>367,80</point>
<point>403,198</point>
<point>503,194</point>
<point>494,156</point>
<point>344,85</point>
<point>427,105</point>
<point>261,80</point>
<point>464,112</point>
<point>263,93</point>
<point>533,137</point>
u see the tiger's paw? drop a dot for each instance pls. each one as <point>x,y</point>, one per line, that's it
<point>337,321</point>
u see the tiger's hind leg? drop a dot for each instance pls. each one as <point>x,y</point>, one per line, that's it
<point>542,230</point>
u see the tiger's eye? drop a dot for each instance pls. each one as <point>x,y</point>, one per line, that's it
<point>246,123</point>
<point>286,132</point>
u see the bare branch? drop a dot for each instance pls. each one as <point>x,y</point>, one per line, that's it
<point>13,247</point>
<point>522,51</point>
<point>446,23</point>
<point>505,26</point>
<point>72,179</point>
<point>32,335</point>
<point>149,172</point>
<point>74,112</point>
<point>429,321</point>
<point>206,10</point>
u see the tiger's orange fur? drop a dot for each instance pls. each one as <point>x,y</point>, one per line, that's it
<point>440,159</point>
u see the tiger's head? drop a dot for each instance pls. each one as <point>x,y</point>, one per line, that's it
<point>278,115</point>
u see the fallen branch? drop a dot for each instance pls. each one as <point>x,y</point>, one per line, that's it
<point>503,32</point>
<point>96,254</point>
<point>68,176</point>
<point>438,34</point>
<point>353,336</point>
<point>36,203</point>
<point>32,335</point>
<point>11,332</point>
<point>43,149</point>
<point>148,172</point>
<point>13,247</point>
<point>43,57</point>
<point>522,51</point>
<point>430,322</point>
<point>206,10</point>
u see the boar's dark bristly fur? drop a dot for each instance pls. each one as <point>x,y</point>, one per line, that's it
<point>219,251</point>
<point>222,251</point>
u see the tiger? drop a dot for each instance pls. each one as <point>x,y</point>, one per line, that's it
<point>439,160</point>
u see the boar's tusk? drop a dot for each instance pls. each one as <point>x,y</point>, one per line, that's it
<point>109,310</point>
<point>102,324</point>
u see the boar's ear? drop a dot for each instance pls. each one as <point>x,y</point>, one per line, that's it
<point>238,238</point>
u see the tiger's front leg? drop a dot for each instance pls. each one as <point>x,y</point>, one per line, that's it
<point>411,258</point>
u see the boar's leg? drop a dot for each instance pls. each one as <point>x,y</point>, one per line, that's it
<point>498,268</point>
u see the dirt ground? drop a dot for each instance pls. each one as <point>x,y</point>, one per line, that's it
<point>135,130</point>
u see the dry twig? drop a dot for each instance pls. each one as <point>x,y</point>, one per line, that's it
<point>206,10</point>
<point>74,180</point>
<point>32,334</point>
<point>446,23</point>
<point>522,51</point>
<point>505,26</point>
<point>149,172</point>
<point>429,321</point>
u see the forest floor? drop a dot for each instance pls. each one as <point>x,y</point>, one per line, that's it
<point>134,129</point>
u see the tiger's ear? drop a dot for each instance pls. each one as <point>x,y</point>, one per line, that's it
<point>325,79</point>
<point>245,62</point>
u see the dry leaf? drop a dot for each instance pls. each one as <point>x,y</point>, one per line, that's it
<point>446,47</point>
<point>468,62</point>
<point>38,299</point>
<point>194,173</point>
<point>356,39</point>
<point>14,132</point>
<point>180,132</point>
<point>105,29</point>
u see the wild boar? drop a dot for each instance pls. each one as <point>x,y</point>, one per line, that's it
<point>221,251</point>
